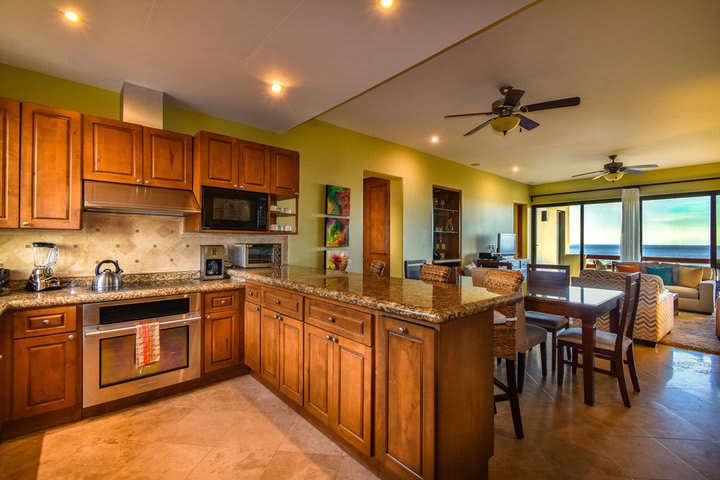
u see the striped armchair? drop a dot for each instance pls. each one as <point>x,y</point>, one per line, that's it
<point>655,314</point>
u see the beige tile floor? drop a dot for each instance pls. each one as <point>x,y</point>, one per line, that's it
<point>239,430</point>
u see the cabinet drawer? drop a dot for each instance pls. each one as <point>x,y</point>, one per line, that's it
<point>218,301</point>
<point>348,322</point>
<point>44,322</point>
<point>283,301</point>
<point>252,293</point>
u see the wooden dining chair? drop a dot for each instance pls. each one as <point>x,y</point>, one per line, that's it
<point>377,267</point>
<point>550,276</point>
<point>615,346</point>
<point>435,273</point>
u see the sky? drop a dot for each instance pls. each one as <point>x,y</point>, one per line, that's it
<point>678,221</point>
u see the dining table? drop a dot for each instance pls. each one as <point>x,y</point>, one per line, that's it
<point>586,304</point>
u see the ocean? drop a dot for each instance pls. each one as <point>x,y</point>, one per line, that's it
<point>670,251</point>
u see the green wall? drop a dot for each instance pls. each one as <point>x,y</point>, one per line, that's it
<point>328,155</point>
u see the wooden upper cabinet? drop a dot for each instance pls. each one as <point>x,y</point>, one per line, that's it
<point>167,159</point>
<point>284,172</point>
<point>50,168</point>
<point>113,150</point>
<point>216,158</point>
<point>9,163</point>
<point>254,166</point>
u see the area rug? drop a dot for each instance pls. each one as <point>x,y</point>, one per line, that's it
<point>694,331</point>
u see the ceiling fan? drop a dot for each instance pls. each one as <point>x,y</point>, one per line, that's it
<point>509,113</point>
<point>614,171</point>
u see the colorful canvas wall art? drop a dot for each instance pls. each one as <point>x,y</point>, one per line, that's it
<point>337,201</point>
<point>337,232</point>
<point>336,260</point>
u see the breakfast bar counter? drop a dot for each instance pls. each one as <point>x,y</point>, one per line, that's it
<point>398,372</point>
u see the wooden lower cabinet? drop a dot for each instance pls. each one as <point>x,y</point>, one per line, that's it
<point>290,350</point>
<point>222,340</point>
<point>338,385</point>
<point>405,399</point>
<point>269,346</point>
<point>45,374</point>
<point>252,336</point>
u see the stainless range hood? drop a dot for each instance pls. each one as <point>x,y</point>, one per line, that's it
<point>121,198</point>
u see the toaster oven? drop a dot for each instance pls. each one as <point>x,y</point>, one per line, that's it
<point>257,255</point>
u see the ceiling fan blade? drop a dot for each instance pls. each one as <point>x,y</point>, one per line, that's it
<point>527,123</point>
<point>632,171</point>
<point>468,114</point>
<point>484,124</point>
<point>564,102</point>
<point>513,97</point>
<point>589,173</point>
<point>649,165</point>
<point>601,175</point>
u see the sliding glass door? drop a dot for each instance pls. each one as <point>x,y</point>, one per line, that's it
<point>558,236</point>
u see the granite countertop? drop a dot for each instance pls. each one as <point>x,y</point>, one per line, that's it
<point>78,291</point>
<point>431,302</point>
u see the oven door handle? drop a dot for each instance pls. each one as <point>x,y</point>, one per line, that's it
<point>94,333</point>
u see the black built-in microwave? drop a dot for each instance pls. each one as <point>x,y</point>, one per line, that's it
<point>226,209</point>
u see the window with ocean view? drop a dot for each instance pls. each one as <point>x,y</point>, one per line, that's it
<point>676,228</point>
<point>602,225</point>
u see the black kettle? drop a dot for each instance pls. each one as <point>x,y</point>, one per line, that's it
<point>107,280</point>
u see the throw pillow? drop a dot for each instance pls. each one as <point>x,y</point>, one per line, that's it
<point>600,265</point>
<point>690,277</point>
<point>665,274</point>
<point>628,268</point>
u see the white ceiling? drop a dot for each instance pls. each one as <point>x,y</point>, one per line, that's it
<point>217,56</point>
<point>648,73</point>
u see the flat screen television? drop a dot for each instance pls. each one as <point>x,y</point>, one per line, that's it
<point>506,244</point>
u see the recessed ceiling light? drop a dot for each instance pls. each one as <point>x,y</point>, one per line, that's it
<point>276,88</point>
<point>516,169</point>
<point>386,3</point>
<point>72,16</point>
<point>434,139</point>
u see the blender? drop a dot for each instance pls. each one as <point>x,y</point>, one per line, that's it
<point>45,256</point>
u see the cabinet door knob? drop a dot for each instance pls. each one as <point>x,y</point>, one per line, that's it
<point>208,317</point>
<point>331,319</point>
<point>278,317</point>
<point>402,330</point>
<point>25,224</point>
<point>242,187</point>
<point>328,338</point>
<point>257,309</point>
<point>297,193</point>
<point>222,302</point>
<point>71,337</point>
<point>147,181</point>
<point>235,186</point>
<point>277,302</point>
<point>139,180</point>
<point>335,339</point>
<point>251,294</point>
<point>46,322</point>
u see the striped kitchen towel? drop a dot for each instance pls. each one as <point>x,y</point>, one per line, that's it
<point>147,344</point>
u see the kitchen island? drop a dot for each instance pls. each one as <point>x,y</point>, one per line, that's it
<point>398,372</point>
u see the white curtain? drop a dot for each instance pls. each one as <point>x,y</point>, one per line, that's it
<point>630,236</point>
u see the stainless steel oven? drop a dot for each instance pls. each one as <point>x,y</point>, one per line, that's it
<point>109,330</point>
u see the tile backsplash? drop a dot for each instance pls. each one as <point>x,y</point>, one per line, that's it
<point>140,243</point>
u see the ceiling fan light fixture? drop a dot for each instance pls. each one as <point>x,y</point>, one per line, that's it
<point>613,177</point>
<point>505,124</point>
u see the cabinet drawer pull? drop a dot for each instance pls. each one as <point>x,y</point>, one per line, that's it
<point>328,338</point>
<point>252,294</point>
<point>277,302</point>
<point>25,224</point>
<point>208,317</point>
<point>71,337</point>
<point>139,180</point>
<point>278,317</point>
<point>402,330</point>
<point>46,322</point>
<point>222,302</point>
<point>235,186</point>
<point>334,339</point>
<point>331,319</point>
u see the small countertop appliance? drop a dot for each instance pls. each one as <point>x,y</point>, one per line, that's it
<point>211,262</point>
<point>45,256</point>
<point>107,280</point>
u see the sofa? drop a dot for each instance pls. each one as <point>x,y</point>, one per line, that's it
<point>655,315</point>
<point>700,299</point>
